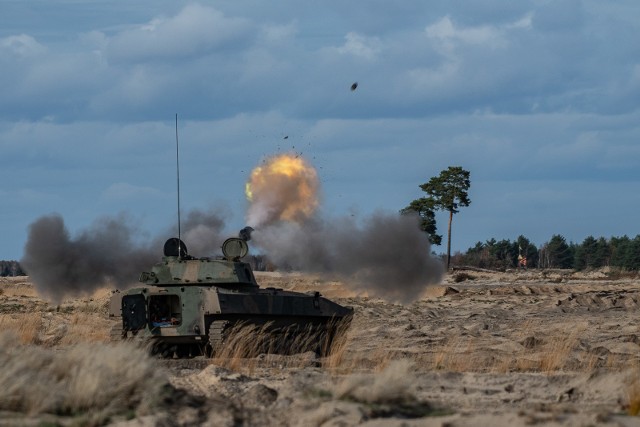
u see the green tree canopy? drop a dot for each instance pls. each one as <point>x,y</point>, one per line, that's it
<point>592,253</point>
<point>449,192</point>
<point>425,209</point>
<point>619,246</point>
<point>616,252</point>
<point>557,253</point>
<point>632,255</point>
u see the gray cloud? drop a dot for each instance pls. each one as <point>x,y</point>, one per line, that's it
<point>542,93</point>
<point>450,61</point>
<point>195,30</point>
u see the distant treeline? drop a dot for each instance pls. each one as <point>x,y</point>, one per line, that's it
<point>11,268</point>
<point>619,252</point>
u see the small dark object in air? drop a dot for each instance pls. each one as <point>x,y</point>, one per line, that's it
<point>286,137</point>
<point>354,86</point>
<point>245,233</point>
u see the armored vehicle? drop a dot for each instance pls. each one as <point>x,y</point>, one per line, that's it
<point>189,306</point>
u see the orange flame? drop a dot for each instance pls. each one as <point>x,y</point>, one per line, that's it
<point>284,188</point>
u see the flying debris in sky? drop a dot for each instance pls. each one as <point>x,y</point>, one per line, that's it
<point>354,86</point>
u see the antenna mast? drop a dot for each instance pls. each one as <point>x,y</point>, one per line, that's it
<point>178,182</point>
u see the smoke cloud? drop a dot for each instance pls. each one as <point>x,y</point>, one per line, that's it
<point>204,233</point>
<point>386,255</point>
<point>105,254</point>
<point>60,266</point>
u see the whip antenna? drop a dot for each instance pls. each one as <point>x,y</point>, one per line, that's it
<point>178,182</point>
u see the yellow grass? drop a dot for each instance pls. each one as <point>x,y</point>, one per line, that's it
<point>633,394</point>
<point>17,287</point>
<point>557,352</point>
<point>248,345</point>
<point>92,382</point>
<point>340,346</point>
<point>84,327</point>
<point>559,349</point>
<point>456,355</point>
<point>48,329</point>
<point>25,326</point>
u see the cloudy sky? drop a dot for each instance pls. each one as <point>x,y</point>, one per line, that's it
<point>537,99</point>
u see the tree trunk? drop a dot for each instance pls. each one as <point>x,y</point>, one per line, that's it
<point>449,240</point>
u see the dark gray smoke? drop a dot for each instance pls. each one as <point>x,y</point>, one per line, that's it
<point>203,233</point>
<point>386,255</point>
<point>105,254</point>
<point>60,266</point>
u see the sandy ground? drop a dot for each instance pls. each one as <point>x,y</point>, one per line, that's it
<point>481,349</point>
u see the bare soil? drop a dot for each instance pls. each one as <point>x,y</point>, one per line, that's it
<point>482,348</point>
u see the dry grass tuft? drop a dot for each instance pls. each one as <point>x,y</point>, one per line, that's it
<point>49,330</point>
<point>17,288</point>
<point>83,327</point>
<point>633,395</point>
<point>91,381</point>
<point>559,351</point>
<point>523,352</point>
<point>457,355</point>
<point>339,346</point>
<point>25,326</point>
<point>246,345</point>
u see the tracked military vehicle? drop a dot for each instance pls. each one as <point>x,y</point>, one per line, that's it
<point>189,306</point>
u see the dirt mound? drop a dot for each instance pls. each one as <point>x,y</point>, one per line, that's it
<point>602,300</point>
